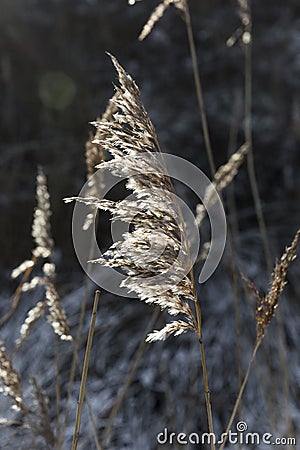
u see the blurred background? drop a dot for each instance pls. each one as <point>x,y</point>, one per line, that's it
<point>54,79</point>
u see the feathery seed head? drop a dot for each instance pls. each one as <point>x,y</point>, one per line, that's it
<point>266,306</point>
<point>154,252</point>
<point>41,232</point>
<point>9,379</point>
<point>41,228</point>
<point>41,219</point>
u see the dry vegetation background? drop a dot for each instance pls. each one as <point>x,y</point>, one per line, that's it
<point>54,79</point>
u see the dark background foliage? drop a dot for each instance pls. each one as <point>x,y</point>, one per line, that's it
<point>55,78</point>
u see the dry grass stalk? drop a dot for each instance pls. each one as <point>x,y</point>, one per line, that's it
<point>85,371</point>
<point>162,276</point>
<point>41,228</point>
<point>157,14</point>
<point>9,379</point>
<point>42,238</point>
<point>156,219</point>
<point>265,311</point>
<point>41,233</point>
<point>222,178</point>
<point>245,14</point>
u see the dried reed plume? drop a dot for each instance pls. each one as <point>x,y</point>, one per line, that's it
<point>155,253</point>
<point>157,14</point>
<point>265,311</point>
<point>222,178</point>
<point>9,379</point>
<point>41,233</point>
<point>267,305</point>
<point>41,229</point>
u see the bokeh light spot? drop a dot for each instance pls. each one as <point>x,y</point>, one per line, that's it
<point>56,90</point>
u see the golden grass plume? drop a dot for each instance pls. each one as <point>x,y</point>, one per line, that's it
<point>156,221</point>
<point>42,252</point>
<point>157,14</point>
<point>267,305</point>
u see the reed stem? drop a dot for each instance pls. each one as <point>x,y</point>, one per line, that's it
<point>205,375</point>
<point>85,372</point>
